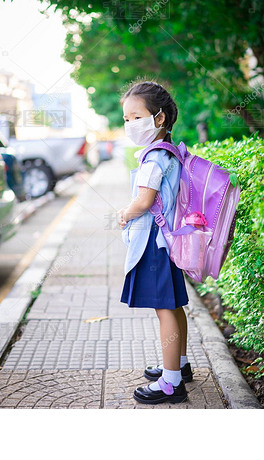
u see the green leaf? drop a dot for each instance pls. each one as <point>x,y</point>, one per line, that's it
<point>233,179</point>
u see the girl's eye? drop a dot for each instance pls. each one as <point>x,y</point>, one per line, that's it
<point>136,118</point>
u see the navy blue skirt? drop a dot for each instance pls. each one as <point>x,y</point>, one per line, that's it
<point>155,281</point>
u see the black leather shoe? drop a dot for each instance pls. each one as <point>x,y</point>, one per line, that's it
<point>154,372</point>
<point>173,394</point>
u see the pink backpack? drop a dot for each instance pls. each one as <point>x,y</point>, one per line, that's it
<point>205,214</point>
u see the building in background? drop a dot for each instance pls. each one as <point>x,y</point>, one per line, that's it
<point>15,96</point>
<point>26,114</point>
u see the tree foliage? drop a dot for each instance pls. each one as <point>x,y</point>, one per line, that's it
<point>196,49</point>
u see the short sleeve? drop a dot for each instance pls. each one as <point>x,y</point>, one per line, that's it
<point>150,175</point>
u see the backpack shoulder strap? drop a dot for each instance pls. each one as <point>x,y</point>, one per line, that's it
<point>179,151</point>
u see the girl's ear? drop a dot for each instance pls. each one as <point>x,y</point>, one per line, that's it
<point>160,119</point>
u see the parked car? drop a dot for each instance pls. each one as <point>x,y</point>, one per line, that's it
<point>8,224</point>
<point>105,150</point>
<point>14,173</point>
<point>99,151</point>
<point>45,161</point>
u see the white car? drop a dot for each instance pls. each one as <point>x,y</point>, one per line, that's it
<point>44,161</point>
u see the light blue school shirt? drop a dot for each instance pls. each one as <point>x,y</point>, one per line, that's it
<point>136,232</point>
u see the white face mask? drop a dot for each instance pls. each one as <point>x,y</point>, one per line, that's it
<point>142,131</point>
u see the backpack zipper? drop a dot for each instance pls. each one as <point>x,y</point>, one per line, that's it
<point>206,183</point>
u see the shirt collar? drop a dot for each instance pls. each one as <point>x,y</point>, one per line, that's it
<point>138,152</point>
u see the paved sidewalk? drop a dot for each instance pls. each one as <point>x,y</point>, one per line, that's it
<point>62,361</point>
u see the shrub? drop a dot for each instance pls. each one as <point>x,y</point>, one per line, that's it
<point>130,160</point>
<point>241,280</point>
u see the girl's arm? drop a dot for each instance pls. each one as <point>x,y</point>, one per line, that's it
<point>148,183</point>
<point>140,204</point>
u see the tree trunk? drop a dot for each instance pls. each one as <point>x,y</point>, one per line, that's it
<point>253,124</point>
<point>202,132</point>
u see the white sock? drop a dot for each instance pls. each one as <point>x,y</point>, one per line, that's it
<point>173,377</point>
<point>155,386</point>
<point>184,361</point>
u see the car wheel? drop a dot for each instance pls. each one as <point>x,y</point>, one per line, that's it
<point>38,179</point>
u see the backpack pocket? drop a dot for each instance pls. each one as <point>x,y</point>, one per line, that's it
<point>188,250</point>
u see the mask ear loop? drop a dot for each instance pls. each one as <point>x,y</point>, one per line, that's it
<point>160,110</point>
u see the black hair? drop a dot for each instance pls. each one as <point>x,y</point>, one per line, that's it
<point>155,96</point>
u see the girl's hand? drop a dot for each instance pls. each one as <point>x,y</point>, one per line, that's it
<point>121,221</point>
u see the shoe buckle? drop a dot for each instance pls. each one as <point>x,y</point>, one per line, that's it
<point>167,388</point>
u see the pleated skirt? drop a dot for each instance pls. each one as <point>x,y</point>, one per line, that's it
<point>155,281</point>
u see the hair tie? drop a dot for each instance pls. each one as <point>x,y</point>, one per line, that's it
<point>168,131</point>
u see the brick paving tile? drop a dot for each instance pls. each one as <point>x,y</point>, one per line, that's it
<point>120,385</point>
<point>63,389</point>
<point>89,389</point>
<point>132,343</point>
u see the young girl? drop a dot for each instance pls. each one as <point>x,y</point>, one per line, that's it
<point>152,280</point>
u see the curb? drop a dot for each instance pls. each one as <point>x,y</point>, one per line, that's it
<point>232,383</point>
<point>28,207</point>
<point>18,300</point>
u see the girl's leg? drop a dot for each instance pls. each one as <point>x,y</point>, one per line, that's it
<point>171,382</point>
<point>182,322</point>
<point>171,340</point>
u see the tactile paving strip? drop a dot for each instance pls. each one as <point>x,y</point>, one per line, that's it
<point>115,343</point>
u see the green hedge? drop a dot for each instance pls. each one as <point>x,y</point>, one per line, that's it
<point>241,280</point>
<point>130,160</point>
